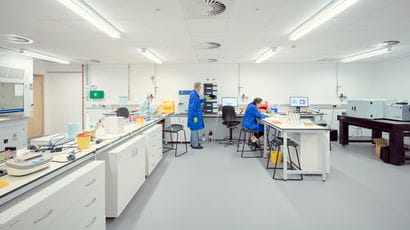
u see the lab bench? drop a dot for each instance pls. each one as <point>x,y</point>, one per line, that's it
<point>36,189</point>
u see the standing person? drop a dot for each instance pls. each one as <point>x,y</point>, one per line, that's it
<point>195,120</point>
<point>250,120</point>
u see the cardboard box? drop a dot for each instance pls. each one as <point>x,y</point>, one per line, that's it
<point>380,143</point>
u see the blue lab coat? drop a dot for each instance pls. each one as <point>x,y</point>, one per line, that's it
<point>249,119</point>
<point>195,110</point>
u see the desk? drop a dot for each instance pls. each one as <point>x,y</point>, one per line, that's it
<point>313,143</point>
<point>396,130</point>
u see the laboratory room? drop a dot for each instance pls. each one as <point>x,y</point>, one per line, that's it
<point>204,114</point>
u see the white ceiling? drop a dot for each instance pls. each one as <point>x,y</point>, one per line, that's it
<point>246,29</point>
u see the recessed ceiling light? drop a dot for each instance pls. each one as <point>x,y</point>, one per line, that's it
<point>44,57</point>
<point>366,54</point>
<point>88,13</point>
<point>265,55</point>
<point>149,54</point>
<point>379,49</point>
<point>327,12</point>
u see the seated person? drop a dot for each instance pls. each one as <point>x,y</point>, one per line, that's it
<point>249,120</point>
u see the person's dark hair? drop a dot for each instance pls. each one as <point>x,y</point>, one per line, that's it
<point>257,100</point>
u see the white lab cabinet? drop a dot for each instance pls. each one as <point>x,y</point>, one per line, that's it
<point>125,174</point>
<point>153,148</point>
<point>74,201</point>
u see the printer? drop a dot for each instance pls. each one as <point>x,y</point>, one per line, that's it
<point>397,111</point>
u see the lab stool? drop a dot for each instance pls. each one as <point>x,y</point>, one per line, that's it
<point>276,143</point>
<point>247,135</point>
<point>175,129</point>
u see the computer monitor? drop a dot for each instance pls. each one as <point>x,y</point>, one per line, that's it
<point>299,102</point>
<point>230,101</point>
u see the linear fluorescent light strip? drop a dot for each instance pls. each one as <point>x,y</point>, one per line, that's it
<point>44,57</point>
<point>366,55</point>
<point>147,53</point>
<point>267,54</point>
<point>324,14</point>
<point>88,13</point>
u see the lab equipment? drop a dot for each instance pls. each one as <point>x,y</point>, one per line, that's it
<point>28,163</point>
<point>168,107</point>
<point>73,129</point>
<point>367,108</point>
<point>183,101</point>
<point>211,90</point>
<point>12,98</point>
<point>55,139</point>
<point>400,112</point>
<point>229,101</point>
<point>114,125</point>
<point>210,107</point>
<point>299,101</point>
<point>92,133</point>
<point>83,141</point>
<point>13,133</point>
<point>7,154</point>
<point>140,121</point>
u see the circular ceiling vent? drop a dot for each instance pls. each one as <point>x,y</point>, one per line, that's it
<point>15,39</point>
<point>208,45</point>
<point>213,8</point>
<point>94,61</point>
<point>212,60</point>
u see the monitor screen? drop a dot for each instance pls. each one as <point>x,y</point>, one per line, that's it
<point>299,101</point>
<point>230,101</point>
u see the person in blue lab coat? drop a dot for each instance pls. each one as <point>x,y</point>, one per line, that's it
<point>250,120</point>
<point>195,120</point>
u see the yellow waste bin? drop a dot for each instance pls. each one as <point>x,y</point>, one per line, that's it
<point>274,155</point>
<point>83,141</point>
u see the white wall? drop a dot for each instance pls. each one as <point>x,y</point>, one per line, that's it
<point>393,78</point>
<point>272,82</point>
<point>62,95</point>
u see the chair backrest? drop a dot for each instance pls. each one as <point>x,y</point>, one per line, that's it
<point>228,113</point>
<point>123,112</point>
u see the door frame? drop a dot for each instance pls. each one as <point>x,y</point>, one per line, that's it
<point>41,76</point>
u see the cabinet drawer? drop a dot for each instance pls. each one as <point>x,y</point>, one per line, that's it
<point>90,204</point>
<point>41,209</point>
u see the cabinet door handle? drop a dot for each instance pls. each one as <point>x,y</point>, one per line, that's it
<point>91,182</point>
<point>92,222</point>
<point>14,223</point>
<point>135,152</point>
<point>44,217</point>
<point>92,202</point>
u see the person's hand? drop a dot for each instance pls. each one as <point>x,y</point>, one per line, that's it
<point>195,120</point>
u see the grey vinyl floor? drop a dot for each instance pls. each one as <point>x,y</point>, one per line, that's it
<point>215,189</point>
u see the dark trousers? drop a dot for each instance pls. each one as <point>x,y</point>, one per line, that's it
<point>258,134</point>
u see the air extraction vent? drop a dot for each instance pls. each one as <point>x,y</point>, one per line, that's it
<point>15,39</point>
<point>213,8</point>
<point>208,45</point>
<point>212,60</point>
<point>205,8</point>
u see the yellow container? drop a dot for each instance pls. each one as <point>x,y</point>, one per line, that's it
<point>83,141</point>
<point>140,121</point>
<point>168,107</point>
<point>273,155</point>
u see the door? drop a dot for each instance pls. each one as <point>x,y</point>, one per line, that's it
<point>36,123</point>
